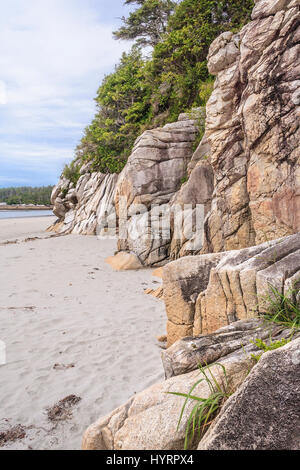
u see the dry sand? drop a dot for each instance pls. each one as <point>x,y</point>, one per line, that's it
<point>24,227</point>
<point>62,305</point>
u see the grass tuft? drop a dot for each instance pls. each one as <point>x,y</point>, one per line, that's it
<point>283,308</point>
<point>205,409</point>
<point>264,347</point>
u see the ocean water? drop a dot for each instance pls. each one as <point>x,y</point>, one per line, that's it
<point>23,214</point>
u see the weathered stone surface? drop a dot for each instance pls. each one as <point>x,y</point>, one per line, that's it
<point>148,421</point>
<point>157,293</point>
<point>253,129</point>
<point>152,176</point>
<point>186,354</point>
<point>201,154</point>
<point>123,261</point>
<point>207,292</point>
<point>87,208</point>
<point>195,198</point>
<point>183,280</point>
<point>264,413</point>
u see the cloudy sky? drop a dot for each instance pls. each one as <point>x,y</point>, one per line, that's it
<point>53,56</point>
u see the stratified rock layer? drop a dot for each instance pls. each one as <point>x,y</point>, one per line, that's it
<point>186,354</point>
<point>87,208</point>
<point>253,129</point>
<point>203,293</point>
<point>153,174</point>
<point>264,413</point>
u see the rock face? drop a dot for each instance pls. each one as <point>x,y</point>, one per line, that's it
<point>86,208</point>
<point>250,191</point>
<point>264,412</point>
<point>206,292</point>
<point>153,174</point>
<point>185,355</point>
<point>246,170</point>
<point>195,198</point>
<point>149,183</point>
<point>253,129</point>
<point>148,421</point>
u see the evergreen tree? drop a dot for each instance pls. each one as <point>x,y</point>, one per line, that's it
<point>26,195</point>
<point>148,23</point>
<point>142,94</point>
<point>123,104</point>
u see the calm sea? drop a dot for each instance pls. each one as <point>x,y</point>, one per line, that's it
<point>19,214</point>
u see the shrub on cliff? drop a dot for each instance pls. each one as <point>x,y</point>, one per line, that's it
<point>123,104</point>
<point>144,93</point>
<point>148,23</point>
<point>179,60</point>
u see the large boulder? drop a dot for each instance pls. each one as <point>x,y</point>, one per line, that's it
<point>124,261</point>
<point>264,413</point>
<point>153,174</point>
<point>183,280</point>
<point>252,127</point>
<point>186,354</point>
<point>206,292</point>
<point>148,421</point>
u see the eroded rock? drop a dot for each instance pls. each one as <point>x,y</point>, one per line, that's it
<point>264,412</point>
<point>252,128</point>
<point>88,208</point>
<point>186,354</point>
<point>123,261</point>
<point>204,293</point>
<point>148,421</point>
<point>152,175</point>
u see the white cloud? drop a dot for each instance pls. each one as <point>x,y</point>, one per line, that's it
<point>3,94</point>
<point>53,55</point>
<point>10,180</point>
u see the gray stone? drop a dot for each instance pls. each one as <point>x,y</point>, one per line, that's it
<point>148,421</point>
<point>206,292</point>
<point>186,354</point>
<point>264,413</point>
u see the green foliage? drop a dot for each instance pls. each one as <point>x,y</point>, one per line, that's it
<point>184,179</point>
<point>205,90</point>
<point>179,60</point>
<point>260,344</point>
<point>284,308</point>
<point>145,93</point>
<point>72,172</point>
<point>123,106</point>
<point>146,24</point>
<point>205,409</point>
<point>26,195</point>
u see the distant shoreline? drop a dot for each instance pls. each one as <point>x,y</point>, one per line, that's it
<point>25,208</point>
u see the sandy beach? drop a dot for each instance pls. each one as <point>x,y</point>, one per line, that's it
<point>72,326</point>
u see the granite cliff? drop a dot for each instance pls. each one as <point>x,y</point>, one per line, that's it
<point>246,169</point>
<point>246,174</point>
